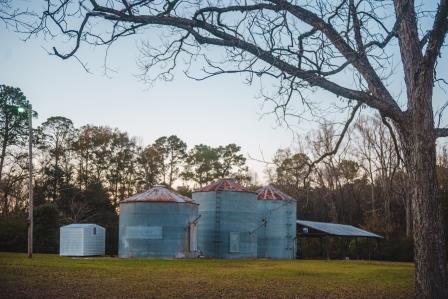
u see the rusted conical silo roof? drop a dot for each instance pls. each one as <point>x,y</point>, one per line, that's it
<point>227,184</point>
<point>271,193</point>
<point>158,193</point>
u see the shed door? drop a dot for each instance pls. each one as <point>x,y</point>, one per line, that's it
<point>234,242</point>
<point>193,237</point>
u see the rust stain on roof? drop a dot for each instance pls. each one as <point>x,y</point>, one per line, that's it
<point>158,193</point>
<point>224,185</point>
<point>271,193</point>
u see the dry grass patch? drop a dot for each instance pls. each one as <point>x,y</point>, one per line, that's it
<point>52,276</point>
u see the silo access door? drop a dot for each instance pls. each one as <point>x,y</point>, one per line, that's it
<point>234,242</point>
<point>193,237</point>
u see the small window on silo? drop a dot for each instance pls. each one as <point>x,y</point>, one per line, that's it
<point>94,230</point>
<point>234,242</point>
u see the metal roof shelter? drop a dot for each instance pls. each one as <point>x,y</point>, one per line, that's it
<point>324,231</point>
<point>334,229</point>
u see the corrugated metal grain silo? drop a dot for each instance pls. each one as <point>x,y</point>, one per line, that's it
<point>228,223</point>
<point>158,223</point>
<point>277,224</point>
<point>82,239</point>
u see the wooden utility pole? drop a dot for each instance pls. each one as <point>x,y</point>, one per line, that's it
<point>30,183</point>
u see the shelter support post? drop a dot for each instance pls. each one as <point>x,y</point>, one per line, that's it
<point>368,246</point>
<point>322,247</point>
<point>341,247</point>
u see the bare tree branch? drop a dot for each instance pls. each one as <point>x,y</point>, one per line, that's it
<point>442,132</point>
<point>338,143</point>
<point>411,55</point>
<point>437,34</point>
<point>395,141</point>
<point>377,97</point>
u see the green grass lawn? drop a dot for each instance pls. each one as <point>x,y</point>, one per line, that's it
<point>52,276</point>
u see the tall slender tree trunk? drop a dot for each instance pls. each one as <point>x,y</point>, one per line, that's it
<point>408,218</point>
<point>408,208</point>
<point>430,256</point>
<point>3,153</point>
<point>431,280</point>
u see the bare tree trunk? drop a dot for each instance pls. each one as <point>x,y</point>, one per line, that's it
<point>430,256</point>
<point>408,208</point>
<point>387,210</point>
<point>3,154</point>
<point>408,219</point>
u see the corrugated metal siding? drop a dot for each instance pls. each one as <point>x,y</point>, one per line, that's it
<point>277,229</point>
<point>77,240</point>
<point>158,229</point>
<point>71,241</point>
<point>94,244</point>
<point>224,213</point>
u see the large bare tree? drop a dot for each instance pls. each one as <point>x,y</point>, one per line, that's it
<point>302,45</point>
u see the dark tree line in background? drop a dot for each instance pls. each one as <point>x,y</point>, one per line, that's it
<point>81,175</point>
<point>364,185</point>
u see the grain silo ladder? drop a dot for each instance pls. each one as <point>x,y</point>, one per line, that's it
<point>217,236</point>
<point>289,237</point>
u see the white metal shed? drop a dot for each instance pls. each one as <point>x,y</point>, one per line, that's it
<point>82,240</point>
